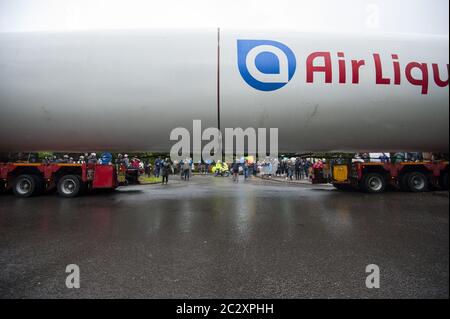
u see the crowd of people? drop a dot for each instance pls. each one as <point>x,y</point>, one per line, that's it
<point>66,159</point>
<point>289,168</point>
<point>294,168</point>
<point>162,168</point>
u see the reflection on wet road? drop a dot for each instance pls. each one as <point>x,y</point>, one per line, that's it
<point>214,238</point>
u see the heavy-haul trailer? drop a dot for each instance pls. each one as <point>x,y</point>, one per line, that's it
<point>70,180</point>
<point>376,177</point>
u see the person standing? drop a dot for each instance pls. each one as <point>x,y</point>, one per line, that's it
<point>283,167</point>
<point>302,169</point>
<point>148,168</point>
<point>157,167</point>
<point>251,167</point>
<point>297,167</point>
<point>126,161</point>
<point>245,168</point>
<point>278,172</point>
<point>186,170</point>
<point>270,168</point>
<point>166,168</point>
<point>180,167</point>
<point>291,169</point>
<point>119,161</point>
<point>326,171</point>
<point>235,169</point>
<point>92,159</point>
<point>306,167</point>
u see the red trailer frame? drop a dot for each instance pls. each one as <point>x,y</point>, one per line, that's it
<point>406,176</point>
<point>40,177</point>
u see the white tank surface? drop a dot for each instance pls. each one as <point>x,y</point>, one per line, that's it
<point>126,90</point>
<point>115,90</point>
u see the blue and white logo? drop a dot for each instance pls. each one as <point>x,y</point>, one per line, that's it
<point>265,65</point>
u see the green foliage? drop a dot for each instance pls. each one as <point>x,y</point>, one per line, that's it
<point>42,155</point>
<point>149,180</point>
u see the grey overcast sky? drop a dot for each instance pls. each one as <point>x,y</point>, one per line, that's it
<point>361,16</point>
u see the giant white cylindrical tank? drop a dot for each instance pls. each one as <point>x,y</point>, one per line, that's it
<point>126,90</point>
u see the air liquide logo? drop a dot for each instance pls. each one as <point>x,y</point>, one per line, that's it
<point>265,65</point>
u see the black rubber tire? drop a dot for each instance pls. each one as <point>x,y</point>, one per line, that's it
<point>69,186</point>
<point>24,186</point>
<point>83,186</point>
<point>444,181</point>
<point>403,183</point>
<point>40,186</point>
<point>373,183</point>
<point>2,187</point>
<point>413,179</point>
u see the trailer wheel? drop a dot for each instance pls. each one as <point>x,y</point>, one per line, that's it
<point>403,183</point>
<point>83,186</point>
<point>374,183</point>
<point>39,189</point>
<point>24,186</point>
<point>417,182</point>
<point>444,181</point>
<point>69,186</point>
<point>2,187</point>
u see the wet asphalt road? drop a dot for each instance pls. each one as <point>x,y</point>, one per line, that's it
<point>211,238</point>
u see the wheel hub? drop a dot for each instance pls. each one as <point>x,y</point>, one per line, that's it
<point>418,182</point>
<point>24,186</point>
<point>68,186</point>
<point>375,183</point>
